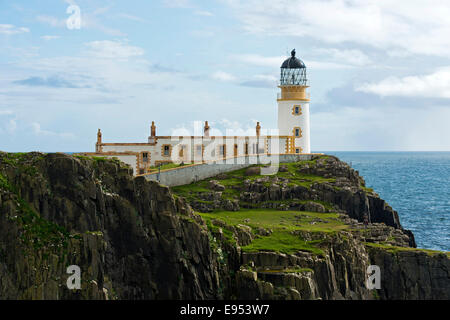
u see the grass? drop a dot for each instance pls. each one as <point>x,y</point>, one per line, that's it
<point>22,162</point>
<point>283,242</point>
<point>37,232</point>
<point>98,159</point>
<point>13,158</point>
<point>367,190</point>
<point>4,183</point>
<point>283,224</point>
<point>166,166</point>
<point>292,270</point>
<point>233,182</point>
<point>396,249</point>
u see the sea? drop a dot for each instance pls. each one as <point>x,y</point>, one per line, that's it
<point>415,184</point>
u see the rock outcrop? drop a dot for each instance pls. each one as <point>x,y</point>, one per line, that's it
<point>130,237</point>
<point>135,239</point>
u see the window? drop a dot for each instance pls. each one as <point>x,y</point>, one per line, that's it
<point>222,150</point>
<point>199,150</point>
<point>166,150</point>
<point>145,157</point>
<point>297,110</point>
<point>297,150</point>
<point>246,148</point>
<point>297,132</point>
<point>183,149</point>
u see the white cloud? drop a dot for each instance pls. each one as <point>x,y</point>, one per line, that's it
<point>358,129</point>
<point>52,21</point>
<point>10,29</point>
<point>204,13</point>
<point>202,33</point>
<point>131,17</point>
<point>113,49</point>
<point>416,26</point>
<point>434,85</point>
<point>89,20</point>
<point>47,37</point>
<point>345,56</point>
<point>9,121</point>
<point>223,76</point>
<point>258,60</point>
<point>265,77</point>
<point>275,62</point>
<point>12,126</point>
<point>40,132</point>
<point>177,3</point>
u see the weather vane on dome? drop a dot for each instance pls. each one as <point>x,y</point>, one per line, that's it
<point>293,53</point>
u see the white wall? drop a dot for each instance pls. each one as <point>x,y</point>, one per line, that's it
<point>287,122</point>
<point>193,173</point>
<point>155,152</point>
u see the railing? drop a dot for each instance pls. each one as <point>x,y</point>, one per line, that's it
<point>293,95</point>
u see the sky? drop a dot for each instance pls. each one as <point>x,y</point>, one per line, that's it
<point>379,70</point>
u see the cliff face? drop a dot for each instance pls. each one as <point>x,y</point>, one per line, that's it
<point>130,237</point>
<point>296,235</point>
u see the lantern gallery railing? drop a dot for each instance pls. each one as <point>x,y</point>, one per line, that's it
<point>293,96</point>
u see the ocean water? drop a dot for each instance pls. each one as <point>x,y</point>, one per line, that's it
<point>416,185</point>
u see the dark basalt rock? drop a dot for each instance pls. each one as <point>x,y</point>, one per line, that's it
<point>134,240</point>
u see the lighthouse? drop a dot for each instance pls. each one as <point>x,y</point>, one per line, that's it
<point>293,105</point>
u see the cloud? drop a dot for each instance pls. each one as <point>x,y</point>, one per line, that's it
<point>161,68</point>
<point>113,49</point>
<point>258,60</point>
<point>37,130</point>
<point>203,13</point>
<point>53,82</point>
<point>421,27</point>
<point>261,81</point>
<point>362,129</point>
<point>275,62</point>
<point>223,76</point>
<point>345,56</point>
<point>131,17</point>
<point>202,33</point>
<point>5,112</point>
<point>47,37</point>
<point>89,20</point>
<point>10,29</point>
<point>52,21</point>
<point>177,3</point>
<point>434,85</point>
<point>8,121</point>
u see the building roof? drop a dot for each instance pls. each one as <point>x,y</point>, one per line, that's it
<point>293,62</point>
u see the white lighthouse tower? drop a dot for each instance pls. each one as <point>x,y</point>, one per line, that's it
<point>293,106</point>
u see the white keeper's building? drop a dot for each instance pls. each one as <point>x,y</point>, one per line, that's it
<point>293,133</point>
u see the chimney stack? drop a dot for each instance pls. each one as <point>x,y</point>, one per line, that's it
<point>206,129</point>
<point>153,129</point>
<point>258,129</point>
<point>98,147</point>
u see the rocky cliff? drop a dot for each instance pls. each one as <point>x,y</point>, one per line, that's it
<point>308,232</point>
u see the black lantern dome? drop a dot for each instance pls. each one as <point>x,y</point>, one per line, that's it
<point>293,72</point>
